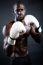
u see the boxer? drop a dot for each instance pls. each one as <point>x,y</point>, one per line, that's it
<point>16,33</point>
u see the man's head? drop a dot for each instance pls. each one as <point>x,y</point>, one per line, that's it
<point>19,10</point>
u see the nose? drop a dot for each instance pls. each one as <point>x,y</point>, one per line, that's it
<point>19,12</point>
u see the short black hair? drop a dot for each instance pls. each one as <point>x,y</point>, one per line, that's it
<point>20,2</point>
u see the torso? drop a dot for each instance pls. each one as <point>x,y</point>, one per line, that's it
<point>21,43</point>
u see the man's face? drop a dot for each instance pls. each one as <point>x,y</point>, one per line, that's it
<point>20,12</point>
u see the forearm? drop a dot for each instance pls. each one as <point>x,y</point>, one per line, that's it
<point>36,35</point>
<point>8,48</point>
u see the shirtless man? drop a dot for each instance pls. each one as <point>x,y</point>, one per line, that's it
<point>18,50</point>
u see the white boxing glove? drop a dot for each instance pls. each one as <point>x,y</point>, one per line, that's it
<point>31,19</point>
<point>15,30</point>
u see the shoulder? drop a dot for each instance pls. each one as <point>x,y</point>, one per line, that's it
<point>6,28</point>
<point>10,22</point>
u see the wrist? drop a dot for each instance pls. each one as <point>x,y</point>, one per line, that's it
<point>11,41</point>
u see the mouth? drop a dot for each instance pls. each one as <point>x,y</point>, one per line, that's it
<point>20,16</point>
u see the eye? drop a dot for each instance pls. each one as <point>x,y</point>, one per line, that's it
<point>17,10</point>
<point>21,9</point>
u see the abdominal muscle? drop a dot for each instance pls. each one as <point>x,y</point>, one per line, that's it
<point>20,52</point>
<point>20,48</point>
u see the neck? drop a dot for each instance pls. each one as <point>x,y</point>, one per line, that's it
<point>20,19</point>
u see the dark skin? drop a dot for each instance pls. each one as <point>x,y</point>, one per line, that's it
<point>35,34</point>
<point>21,43</point>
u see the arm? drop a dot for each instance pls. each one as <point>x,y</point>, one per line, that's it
<point>36,34</point>
<point>35,31</point>
<point>8,49</point>
<point>12,35</point>
<point>6,28</point>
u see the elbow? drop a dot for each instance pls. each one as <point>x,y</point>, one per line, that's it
<point>38,39</point>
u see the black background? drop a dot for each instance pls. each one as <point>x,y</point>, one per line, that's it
<point>34,7</point>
